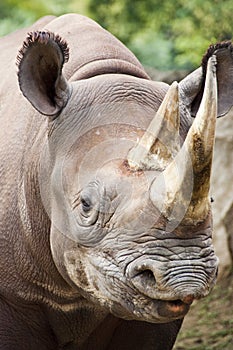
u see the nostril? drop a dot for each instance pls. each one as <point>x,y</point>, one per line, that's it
<point>147,274</point>
<point>147,277</point>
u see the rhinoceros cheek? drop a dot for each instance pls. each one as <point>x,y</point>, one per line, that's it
<point>75,266</point>
<point>87,280</point>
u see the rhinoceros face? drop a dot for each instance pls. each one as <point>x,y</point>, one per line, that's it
<point>130,214</point>
<point>118,250</point>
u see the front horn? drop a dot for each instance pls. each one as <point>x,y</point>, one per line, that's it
<point>181,192</point>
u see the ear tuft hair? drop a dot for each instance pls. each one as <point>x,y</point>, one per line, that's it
<point>212,50</point>
<point>43,37</point>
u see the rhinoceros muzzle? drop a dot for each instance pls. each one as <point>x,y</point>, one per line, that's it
<point>175,285</point>
<point>173,280</point>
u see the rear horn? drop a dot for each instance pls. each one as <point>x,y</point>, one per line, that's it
<point>161,141</point>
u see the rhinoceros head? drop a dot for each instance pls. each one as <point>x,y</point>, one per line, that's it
<point>127,194</point>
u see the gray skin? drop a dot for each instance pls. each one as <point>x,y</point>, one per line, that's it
<point>86,260</point>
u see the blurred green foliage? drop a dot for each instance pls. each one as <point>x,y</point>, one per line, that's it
<point>162,34</point>
<point>20,13</point>
<point>166,34</point>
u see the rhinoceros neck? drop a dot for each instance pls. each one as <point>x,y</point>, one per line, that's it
<point>94,51</point>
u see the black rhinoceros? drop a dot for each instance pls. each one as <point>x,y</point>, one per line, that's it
<point>105,210</point>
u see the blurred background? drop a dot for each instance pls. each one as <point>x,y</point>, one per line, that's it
<point>170,38</point>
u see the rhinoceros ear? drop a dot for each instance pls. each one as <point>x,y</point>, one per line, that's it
<point>192,87</point>
<point>40,63</point>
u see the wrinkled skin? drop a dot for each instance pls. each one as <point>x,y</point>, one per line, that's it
<point>87,260</point>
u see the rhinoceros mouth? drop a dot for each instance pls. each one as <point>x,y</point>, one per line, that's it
<point>174,308</point>
<point>161,311</point>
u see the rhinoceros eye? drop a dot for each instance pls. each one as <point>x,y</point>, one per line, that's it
<point>88,208</point>
<point>86,205</point>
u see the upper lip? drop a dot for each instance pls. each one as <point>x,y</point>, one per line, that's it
<point>188,299</point>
